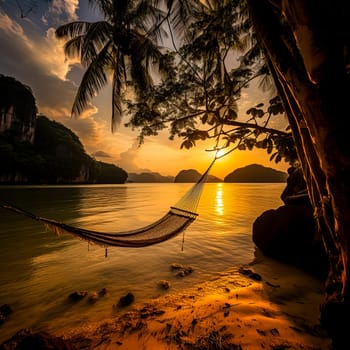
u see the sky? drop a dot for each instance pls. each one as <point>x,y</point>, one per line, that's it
<point>32,54</point>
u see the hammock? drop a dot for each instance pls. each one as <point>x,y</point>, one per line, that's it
<point>176,220</point>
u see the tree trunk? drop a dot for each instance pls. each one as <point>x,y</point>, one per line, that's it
<point>306,55</point>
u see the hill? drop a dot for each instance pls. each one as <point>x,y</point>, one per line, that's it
<point>256,173</point>
<point>149,177</point>
<point>56,156</point>
<point>192,175</point>
<point>34,149</point>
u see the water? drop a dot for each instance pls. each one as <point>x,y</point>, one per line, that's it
<point>39,270</point>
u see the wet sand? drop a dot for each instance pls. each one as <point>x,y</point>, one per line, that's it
<point>263,305</point>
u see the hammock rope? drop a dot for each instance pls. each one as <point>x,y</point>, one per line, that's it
<point>175,221</point>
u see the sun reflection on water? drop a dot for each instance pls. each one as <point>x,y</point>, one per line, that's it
<point>219,201</point>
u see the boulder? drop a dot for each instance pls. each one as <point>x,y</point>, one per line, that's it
<point>289,234</point>
<point>295,192</point>
<point>126,300</point>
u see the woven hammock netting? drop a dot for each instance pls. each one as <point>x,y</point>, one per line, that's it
<point>175,221</point>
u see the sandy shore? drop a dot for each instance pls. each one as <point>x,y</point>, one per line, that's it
<point>237,310</point>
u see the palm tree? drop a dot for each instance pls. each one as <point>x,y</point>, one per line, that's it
<point>123,45</point>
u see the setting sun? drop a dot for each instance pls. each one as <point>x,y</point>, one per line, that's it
<point>220,153</point>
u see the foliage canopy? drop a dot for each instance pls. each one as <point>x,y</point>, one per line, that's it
<point>204,71</point>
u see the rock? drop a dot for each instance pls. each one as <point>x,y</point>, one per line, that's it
<point>176,266</point>
<point>181,274</point>
<point>288,234</point>
<point>126,300</point>
<point>5,312</point>
<point>25,339</point>
<point>247,272</point>
<point>93,297</point>
<point>188,270</point>
<point>295,193</point>
<point>164,284</point>
<point>182,270</point>
<point>76,296</point>
<point>102,292</point>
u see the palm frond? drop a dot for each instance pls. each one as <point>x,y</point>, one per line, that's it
<point>94,79</point>
<point>118,78</point>
<point>72,47</point>
<point>104,6</point>
<point>148,13</point>
<point>96,37</point>
<point>150,51</point>
<point>183,12</point>
<point>73,29</point>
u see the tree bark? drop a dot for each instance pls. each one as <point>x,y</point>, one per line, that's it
<point>306,55</point>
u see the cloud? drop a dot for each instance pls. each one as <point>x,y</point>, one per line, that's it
<point>39,63</point>
<point>128,159</point>
<point>31,57</point>
<point>101,154</point>
<point>87,129</point>
<point>61,11</point>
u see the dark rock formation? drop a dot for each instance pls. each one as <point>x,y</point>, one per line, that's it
<point>25,339</point>
<point>256,173</point>
<point>17,109</point>
<point>35,150</point>
<point>289,232</point>
<point>295,192</point>
<point>57,156</point>
<point>191,175</point>
<point>109,174</point>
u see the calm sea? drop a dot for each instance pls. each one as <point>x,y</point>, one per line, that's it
<point>39,270</point>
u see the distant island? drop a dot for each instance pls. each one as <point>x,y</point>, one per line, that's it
<point>249,173</point>
<point>36,150</point>
<point>149,177</point>
<point>256,173</point>
<point>192,175</point>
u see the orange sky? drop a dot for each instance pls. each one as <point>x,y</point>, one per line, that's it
<point>54,82</point>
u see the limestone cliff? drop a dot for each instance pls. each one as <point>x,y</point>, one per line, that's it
<point>17,109</point>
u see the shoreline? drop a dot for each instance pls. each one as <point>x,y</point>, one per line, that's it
<point>262,305</point>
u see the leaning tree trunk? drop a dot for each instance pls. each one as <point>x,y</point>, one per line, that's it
<point>305,52</point>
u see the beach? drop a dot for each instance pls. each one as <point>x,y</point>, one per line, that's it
<point>262,305</point>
